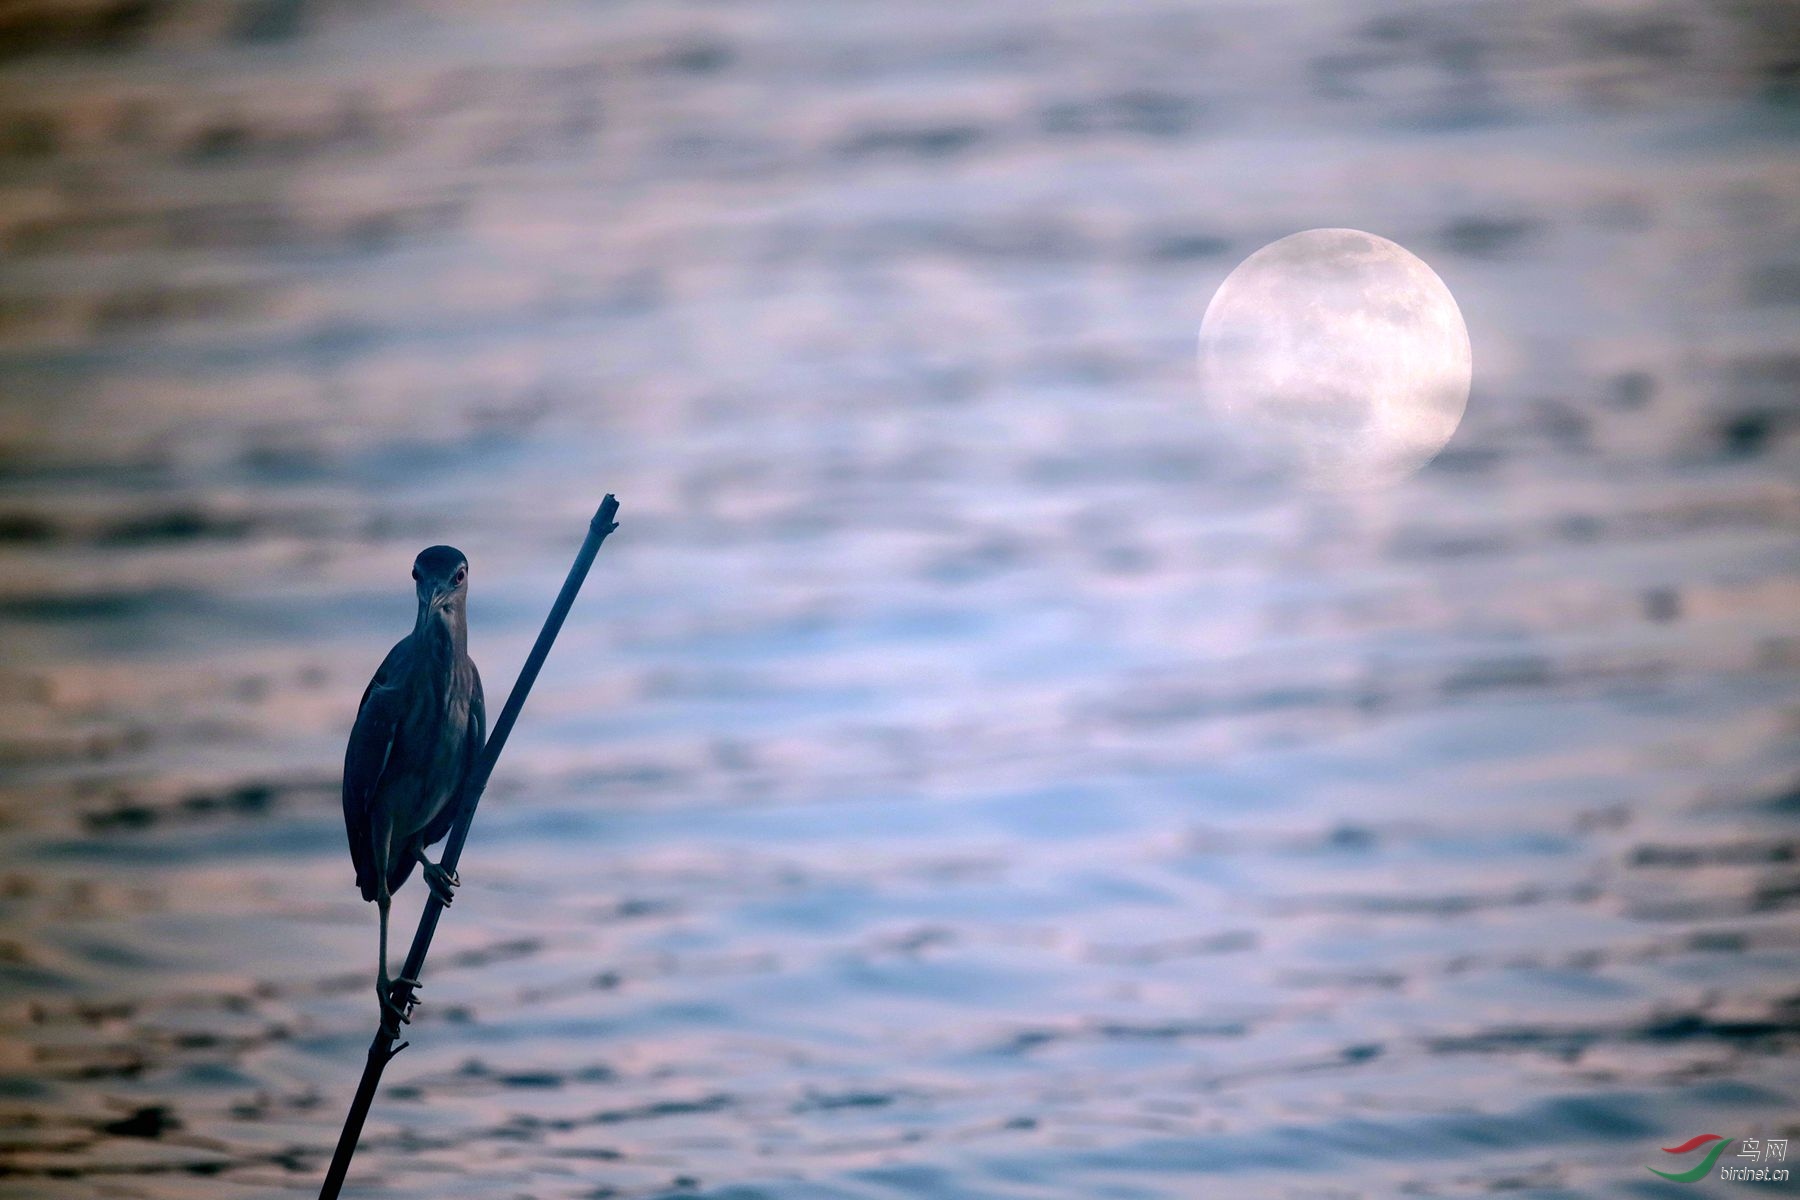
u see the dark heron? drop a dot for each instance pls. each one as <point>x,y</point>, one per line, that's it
<point>418,731</point>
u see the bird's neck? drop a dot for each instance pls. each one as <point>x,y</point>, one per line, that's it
<point>445,632</point>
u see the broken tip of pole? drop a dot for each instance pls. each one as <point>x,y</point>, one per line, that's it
<point>603,516</point>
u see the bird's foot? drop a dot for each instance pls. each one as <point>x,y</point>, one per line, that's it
<point>395,1013</point>
<point>440,881</point>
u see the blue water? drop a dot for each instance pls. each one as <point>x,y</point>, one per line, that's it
<point>961,777</point>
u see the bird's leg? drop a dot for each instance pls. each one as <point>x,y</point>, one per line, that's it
<point>437,879</point>
<point>393,1013</point>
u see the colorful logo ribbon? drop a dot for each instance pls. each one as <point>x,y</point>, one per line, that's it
<point>1693,1143</point>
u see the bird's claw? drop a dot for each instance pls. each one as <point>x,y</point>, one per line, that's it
<point>394,1015</point>
<point>441,882</point>
<point>400,1014</point>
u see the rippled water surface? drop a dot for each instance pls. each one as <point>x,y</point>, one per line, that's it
<point>960,778</point>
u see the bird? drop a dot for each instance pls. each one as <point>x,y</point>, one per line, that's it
<point>419,728</point>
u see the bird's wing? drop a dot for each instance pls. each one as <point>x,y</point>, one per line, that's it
<point>371,740</point>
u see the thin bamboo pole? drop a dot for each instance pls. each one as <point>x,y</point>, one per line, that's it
<point>382,1049</point>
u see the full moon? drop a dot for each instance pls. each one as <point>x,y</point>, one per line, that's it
<point>1337,356</point>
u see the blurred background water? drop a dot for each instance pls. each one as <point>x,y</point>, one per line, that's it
<point>960,778</point>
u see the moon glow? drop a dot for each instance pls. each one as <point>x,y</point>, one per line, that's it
<point>1337,356</point>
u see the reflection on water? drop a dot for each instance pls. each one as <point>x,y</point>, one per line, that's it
<point>959,778</point>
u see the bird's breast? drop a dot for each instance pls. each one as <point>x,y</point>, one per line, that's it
<point>429,755</point>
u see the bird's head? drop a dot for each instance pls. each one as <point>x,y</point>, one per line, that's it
<point>441,577</point>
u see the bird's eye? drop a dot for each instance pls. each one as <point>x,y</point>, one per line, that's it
<point>415,574</point>
<point>461,574</point>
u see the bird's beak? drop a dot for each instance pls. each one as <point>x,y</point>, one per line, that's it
<point>440,594</point>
